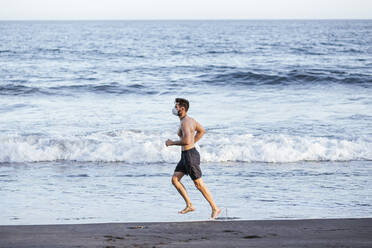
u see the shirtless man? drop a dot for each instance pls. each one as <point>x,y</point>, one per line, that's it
<point>190,159</point>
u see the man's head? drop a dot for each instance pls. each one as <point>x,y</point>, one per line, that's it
<point>181,102</point>
<point>182,106</point>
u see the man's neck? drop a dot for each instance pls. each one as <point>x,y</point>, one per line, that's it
<point>182,117</point>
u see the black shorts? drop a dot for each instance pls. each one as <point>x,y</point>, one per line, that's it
<point>189,163</point>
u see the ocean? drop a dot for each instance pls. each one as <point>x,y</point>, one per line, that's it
<point>85,109</point>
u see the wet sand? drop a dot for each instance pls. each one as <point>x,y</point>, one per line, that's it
<point>261,233</point>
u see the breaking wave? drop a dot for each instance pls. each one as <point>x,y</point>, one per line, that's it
<point>141,147</point>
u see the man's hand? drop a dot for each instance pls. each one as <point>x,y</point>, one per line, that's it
<point>168,142</point>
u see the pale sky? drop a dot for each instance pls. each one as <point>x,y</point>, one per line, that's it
<point>183,9</point>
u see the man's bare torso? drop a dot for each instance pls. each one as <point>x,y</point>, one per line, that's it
<point>188,127</point>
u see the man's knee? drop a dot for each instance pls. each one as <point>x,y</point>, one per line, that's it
<point>175,180</point>
<point>198,183</point>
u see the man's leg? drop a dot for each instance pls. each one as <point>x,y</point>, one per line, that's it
<point>176,181</point>
<point>208,196</point>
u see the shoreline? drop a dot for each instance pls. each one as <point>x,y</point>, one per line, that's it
<point>345,232</point>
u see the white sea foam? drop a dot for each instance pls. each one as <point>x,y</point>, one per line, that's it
<point>142,147</point>
<point>285,148</point>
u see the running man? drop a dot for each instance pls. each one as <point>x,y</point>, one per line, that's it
<point>190,158</point>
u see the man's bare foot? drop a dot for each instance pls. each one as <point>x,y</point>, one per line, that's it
<point>215,212</point>
<point>187,209</point>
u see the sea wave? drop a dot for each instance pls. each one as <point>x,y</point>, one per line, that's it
<point>140,147</point>
<point>97,88</point>
<point>221,77</point>
<point>18,89</point>
<point>68,53</point>
<point>303,77</point>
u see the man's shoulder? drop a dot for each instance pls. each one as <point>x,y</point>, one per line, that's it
<point>192,120</point>
<point>188,121</point>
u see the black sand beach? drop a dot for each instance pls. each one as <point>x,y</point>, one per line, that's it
<point>257,233</point>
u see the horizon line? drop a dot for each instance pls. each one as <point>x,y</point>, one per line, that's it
<point>195,19</point>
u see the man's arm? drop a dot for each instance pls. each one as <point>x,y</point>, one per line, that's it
<point>199,132</point>
<point>185,138</point>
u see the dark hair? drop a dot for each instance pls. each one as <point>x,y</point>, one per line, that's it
<point>182,103</point>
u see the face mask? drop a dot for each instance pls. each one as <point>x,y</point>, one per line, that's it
<point>175,111</point>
